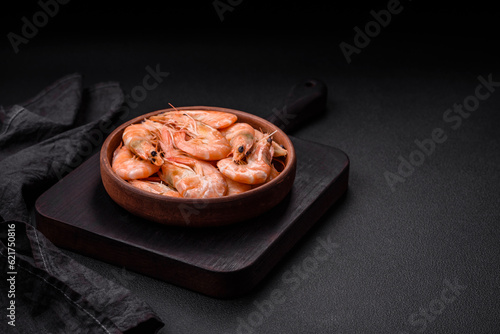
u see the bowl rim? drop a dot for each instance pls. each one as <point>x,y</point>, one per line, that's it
<point>106,163</point>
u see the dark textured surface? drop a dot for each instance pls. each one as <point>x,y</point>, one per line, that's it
<point>394,252</point>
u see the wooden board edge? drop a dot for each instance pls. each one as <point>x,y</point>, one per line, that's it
<point>267,261</point>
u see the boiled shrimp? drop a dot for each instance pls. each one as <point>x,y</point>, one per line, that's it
<point>142,139</point>
<point>196,138</point>
<point>193,178</point>
<point>278,150</point>
<point>166,142</point>
<point>272,174</point>
<point>201,141</point>
<point>129,167</point>
<point>241,137</point>
<point>155,188</point>
<point>234,187</point>
<point>257,168</point>
<point>215,119</point>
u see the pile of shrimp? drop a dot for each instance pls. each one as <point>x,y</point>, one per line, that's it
<point>196,154</point>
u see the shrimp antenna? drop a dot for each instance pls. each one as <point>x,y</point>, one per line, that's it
<point>194,128</point>
<point>269,135</point>
<point>170,104</point>
<point>190,117</point>
<point>171,135</point>
<point>172,138</point>
<point>180,165</point>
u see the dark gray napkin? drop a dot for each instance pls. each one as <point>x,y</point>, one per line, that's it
<point>41,140</point>
<point>44,138</point>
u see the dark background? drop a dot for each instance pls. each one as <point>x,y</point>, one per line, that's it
<point>396,249</point>
<point>421,17</point>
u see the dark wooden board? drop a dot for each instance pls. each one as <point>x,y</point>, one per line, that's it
<point>77,214</point>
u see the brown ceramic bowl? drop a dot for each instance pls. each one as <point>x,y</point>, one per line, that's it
<point>199,212</point>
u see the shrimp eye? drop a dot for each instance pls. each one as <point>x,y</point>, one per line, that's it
<point>240,149</point>
<point>153,160</point>
<point>269,140</point>
<point>153,153</point>
<point>163,154</point>
<point>282,146</point>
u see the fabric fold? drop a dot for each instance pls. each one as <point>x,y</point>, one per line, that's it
<point>55,294</point>
<point>41,160</point>
<point>41,140</point>
<point>50,112</point>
